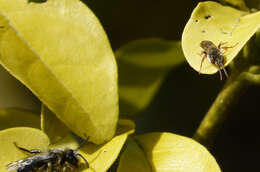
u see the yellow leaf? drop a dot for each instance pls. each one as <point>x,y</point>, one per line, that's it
<point>52,126</point>
<point>12,117</point>
<point>214,22</point>
<point>59,50</point>
<point>28,138</point>
<point>133,159</point>
<point>167,152</point>
<point>101,157</point>
<point>69,141</point>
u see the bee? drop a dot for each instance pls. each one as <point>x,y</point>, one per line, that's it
<point>53,160</point>
<point>214,55</point>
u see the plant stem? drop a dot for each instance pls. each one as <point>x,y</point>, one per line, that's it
<point>220,109</point>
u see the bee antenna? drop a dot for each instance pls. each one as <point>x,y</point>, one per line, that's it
<point>82,143</point>
<point>78,154</point>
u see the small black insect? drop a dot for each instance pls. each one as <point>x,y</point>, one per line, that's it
<point>214,55</point>
<point>53,160</point>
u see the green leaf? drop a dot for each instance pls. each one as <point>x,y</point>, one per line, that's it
<point>52,126</point>
<point>12,117</point>
<point>59,50</point>
<point>142,66</point>
<point>166,152</point>
<point>217,23</point>
<point>28,138</point>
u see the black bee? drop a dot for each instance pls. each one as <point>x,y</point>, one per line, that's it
<point>53,160</point>
<point>214,55</point>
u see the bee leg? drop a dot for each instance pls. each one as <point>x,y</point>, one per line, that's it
<point>66,166</point>
<point>44,168</point>
<point>87,164</point>
<point>223,67</point>
<point>50,167</point>
<point>82,143</point>
<point>220,44</point>
<point>26,150</point>
<point>203,58</point>
<point>227,47</point>
<point>219,70</point>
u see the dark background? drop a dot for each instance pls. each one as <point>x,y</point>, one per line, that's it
<point>185,96</point>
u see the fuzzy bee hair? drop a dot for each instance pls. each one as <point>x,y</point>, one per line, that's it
<point>54,160</point>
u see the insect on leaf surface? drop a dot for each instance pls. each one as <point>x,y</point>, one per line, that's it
<point>217,23</point>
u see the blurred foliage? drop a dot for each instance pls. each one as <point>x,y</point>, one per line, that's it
<point>142,67</point>
<point>236,3</point>
<point>12,117</point>
<point>15,94</point>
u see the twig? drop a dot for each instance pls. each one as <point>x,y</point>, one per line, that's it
<point>220,109</point>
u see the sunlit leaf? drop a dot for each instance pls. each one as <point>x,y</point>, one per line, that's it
<point>142,66</point>
<point>217,23</point>
<point>69,141</point>
<point>59,50</point>
<point>28,138</point>
<point>52,126</point>
<point>167,152</point>
<point>102,157</point>
<point>11,117</point>
<point>133,158</point>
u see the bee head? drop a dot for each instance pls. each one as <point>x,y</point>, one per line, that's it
<point>71,157</point>
<point>206,44</point>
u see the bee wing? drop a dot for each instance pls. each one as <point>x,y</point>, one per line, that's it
<point>14,165</point>
<point>27,161</point>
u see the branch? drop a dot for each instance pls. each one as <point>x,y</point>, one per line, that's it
<point>251,78</point>
<point>220,109</point>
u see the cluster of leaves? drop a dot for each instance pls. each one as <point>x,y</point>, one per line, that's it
<point>59,50</point>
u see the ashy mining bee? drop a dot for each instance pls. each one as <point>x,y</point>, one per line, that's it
<point>53,160</point>
<point>214,55</point>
